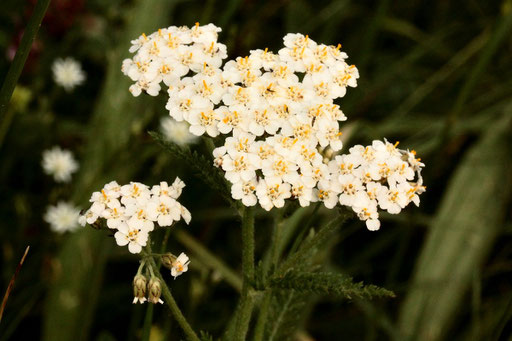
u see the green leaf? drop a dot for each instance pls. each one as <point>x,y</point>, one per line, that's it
<point>469,218</point>
<point>329,284</point>
<point>201,166</point>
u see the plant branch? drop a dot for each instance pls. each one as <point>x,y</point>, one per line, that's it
<point>169,300</point>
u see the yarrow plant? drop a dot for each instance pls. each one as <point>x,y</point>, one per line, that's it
<point>279,130</point>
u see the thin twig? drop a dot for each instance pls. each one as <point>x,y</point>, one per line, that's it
<point>11,283</point>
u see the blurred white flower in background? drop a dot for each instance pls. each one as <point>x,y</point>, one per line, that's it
<point>59,163</point>
<point>67,73</point>
<point>177,132</point>
<point>62,217</point>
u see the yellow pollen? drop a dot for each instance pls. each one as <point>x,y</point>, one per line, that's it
<point>396,143</point>
<point>104,194</point>
<point>338,47</point>
<point>144,35</point>
<point>160,32</point>
<point>197,24</point>
<point>211,47</point>
<point>203,115</point>
<point>413,152</point>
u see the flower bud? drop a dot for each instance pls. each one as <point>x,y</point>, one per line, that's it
<point>154,290</point>
<point>168,259</point>
<point>139,289</point>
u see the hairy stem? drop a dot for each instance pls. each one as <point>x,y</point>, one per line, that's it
<point>169,300</point>
<point>246,301</point>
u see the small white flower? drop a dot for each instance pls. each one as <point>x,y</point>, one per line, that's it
<point>89,217</point>
<point>133,237</point>
<point>180,265</point>
<point>177,132</point>
<point>59,163</point>
<point>67,73</point>
<point>62,217</point>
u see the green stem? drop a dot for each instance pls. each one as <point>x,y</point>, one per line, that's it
<point>273,259</point>
<point>148,320</point>
<point>247,300</point>
<point>21,55</point>
<point>259,330</point>
<point>169,300</point>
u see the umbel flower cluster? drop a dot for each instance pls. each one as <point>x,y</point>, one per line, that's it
<point>132,210</point>
<point>279,119</point>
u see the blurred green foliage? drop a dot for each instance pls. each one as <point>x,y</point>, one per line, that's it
<point>435,75</point>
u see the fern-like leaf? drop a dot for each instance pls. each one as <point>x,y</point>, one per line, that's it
<point>200,165</point>
<point>328,283</point>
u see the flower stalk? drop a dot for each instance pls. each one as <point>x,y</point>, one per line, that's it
<point>169,299</point>
<point>246,301</point>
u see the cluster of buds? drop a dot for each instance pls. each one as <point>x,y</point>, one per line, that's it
<point>132,210</point>
<point>141,287</point>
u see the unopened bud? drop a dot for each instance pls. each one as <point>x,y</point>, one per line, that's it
<point>139,289</point>
<point>168,260</point>
<point>154,290</point>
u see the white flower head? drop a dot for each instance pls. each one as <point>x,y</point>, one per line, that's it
<point>67,73</point>
<point>59,163</point>
<point>62,217</point>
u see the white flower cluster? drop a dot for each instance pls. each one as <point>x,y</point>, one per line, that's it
<point>133,209</point>
<point>59,163</point>
<point>67,73</point>
<point>62,217</point>
<point>379,175</point>
<point>279,115</point>
<point>169,54</point>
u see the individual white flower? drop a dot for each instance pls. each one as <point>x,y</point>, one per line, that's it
<point>272,192</point>
<point>366,210</point>
<point>133,237</point>
<point>67,73</point>
<point>177,132</point>
<point>89,217</point>
<point>135,194</point>
<point>245,191</point>
<point>165,210</point>
<point>62,217</point>
<point>59,163</point>
<point>180,265</point>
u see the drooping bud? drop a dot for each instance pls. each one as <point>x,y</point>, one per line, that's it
<point>154,291</point>
<point>168,259</point>
<point>139,289</point>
